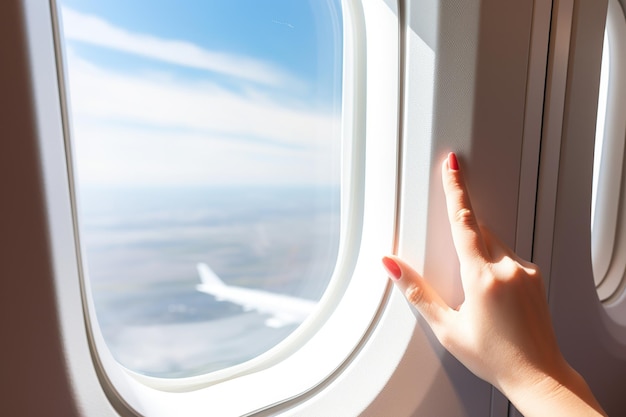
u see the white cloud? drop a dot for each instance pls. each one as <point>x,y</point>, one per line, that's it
<point>151,130</point>
<point>97,31</point>
<point>168,103</point>
<point>116,155</point>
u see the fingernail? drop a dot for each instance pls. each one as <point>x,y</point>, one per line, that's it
<point>392,268</point>
<point>452,162</point>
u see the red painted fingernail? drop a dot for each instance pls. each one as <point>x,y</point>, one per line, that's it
<point>452,162</point>
<point>392,268</point>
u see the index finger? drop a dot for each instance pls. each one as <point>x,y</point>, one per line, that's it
<point>466,234</point>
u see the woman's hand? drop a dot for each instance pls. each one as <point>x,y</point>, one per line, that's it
<point>503,331</point>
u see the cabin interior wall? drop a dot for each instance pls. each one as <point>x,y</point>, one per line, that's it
<point>34,380</point>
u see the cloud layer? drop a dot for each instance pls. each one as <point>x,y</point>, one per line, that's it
<point>149,128</point>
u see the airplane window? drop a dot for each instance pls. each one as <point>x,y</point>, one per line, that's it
<point>206,147</point>
<point>608,235</point>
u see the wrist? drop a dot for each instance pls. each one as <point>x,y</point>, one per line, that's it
<point>560,391</point>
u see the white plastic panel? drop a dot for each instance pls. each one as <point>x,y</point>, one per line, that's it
<point>466,87</point>
<point>476,55</point>
<point>589,339</point>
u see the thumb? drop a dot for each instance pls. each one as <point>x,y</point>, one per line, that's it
<point>418,292</point>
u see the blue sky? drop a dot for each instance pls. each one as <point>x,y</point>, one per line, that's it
<point>204,92</point>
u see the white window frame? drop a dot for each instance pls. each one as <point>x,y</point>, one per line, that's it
<point>608,240</point>
<point>345,321</point>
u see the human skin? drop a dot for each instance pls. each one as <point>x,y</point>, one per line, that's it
<point>502,331</point>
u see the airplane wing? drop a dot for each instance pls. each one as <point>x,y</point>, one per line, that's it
<point>283,309</point>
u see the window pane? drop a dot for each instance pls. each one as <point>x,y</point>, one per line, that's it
<point>206,141</point>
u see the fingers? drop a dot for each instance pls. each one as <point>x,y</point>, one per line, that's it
<point>466,233</point>
<point>418,292</point>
